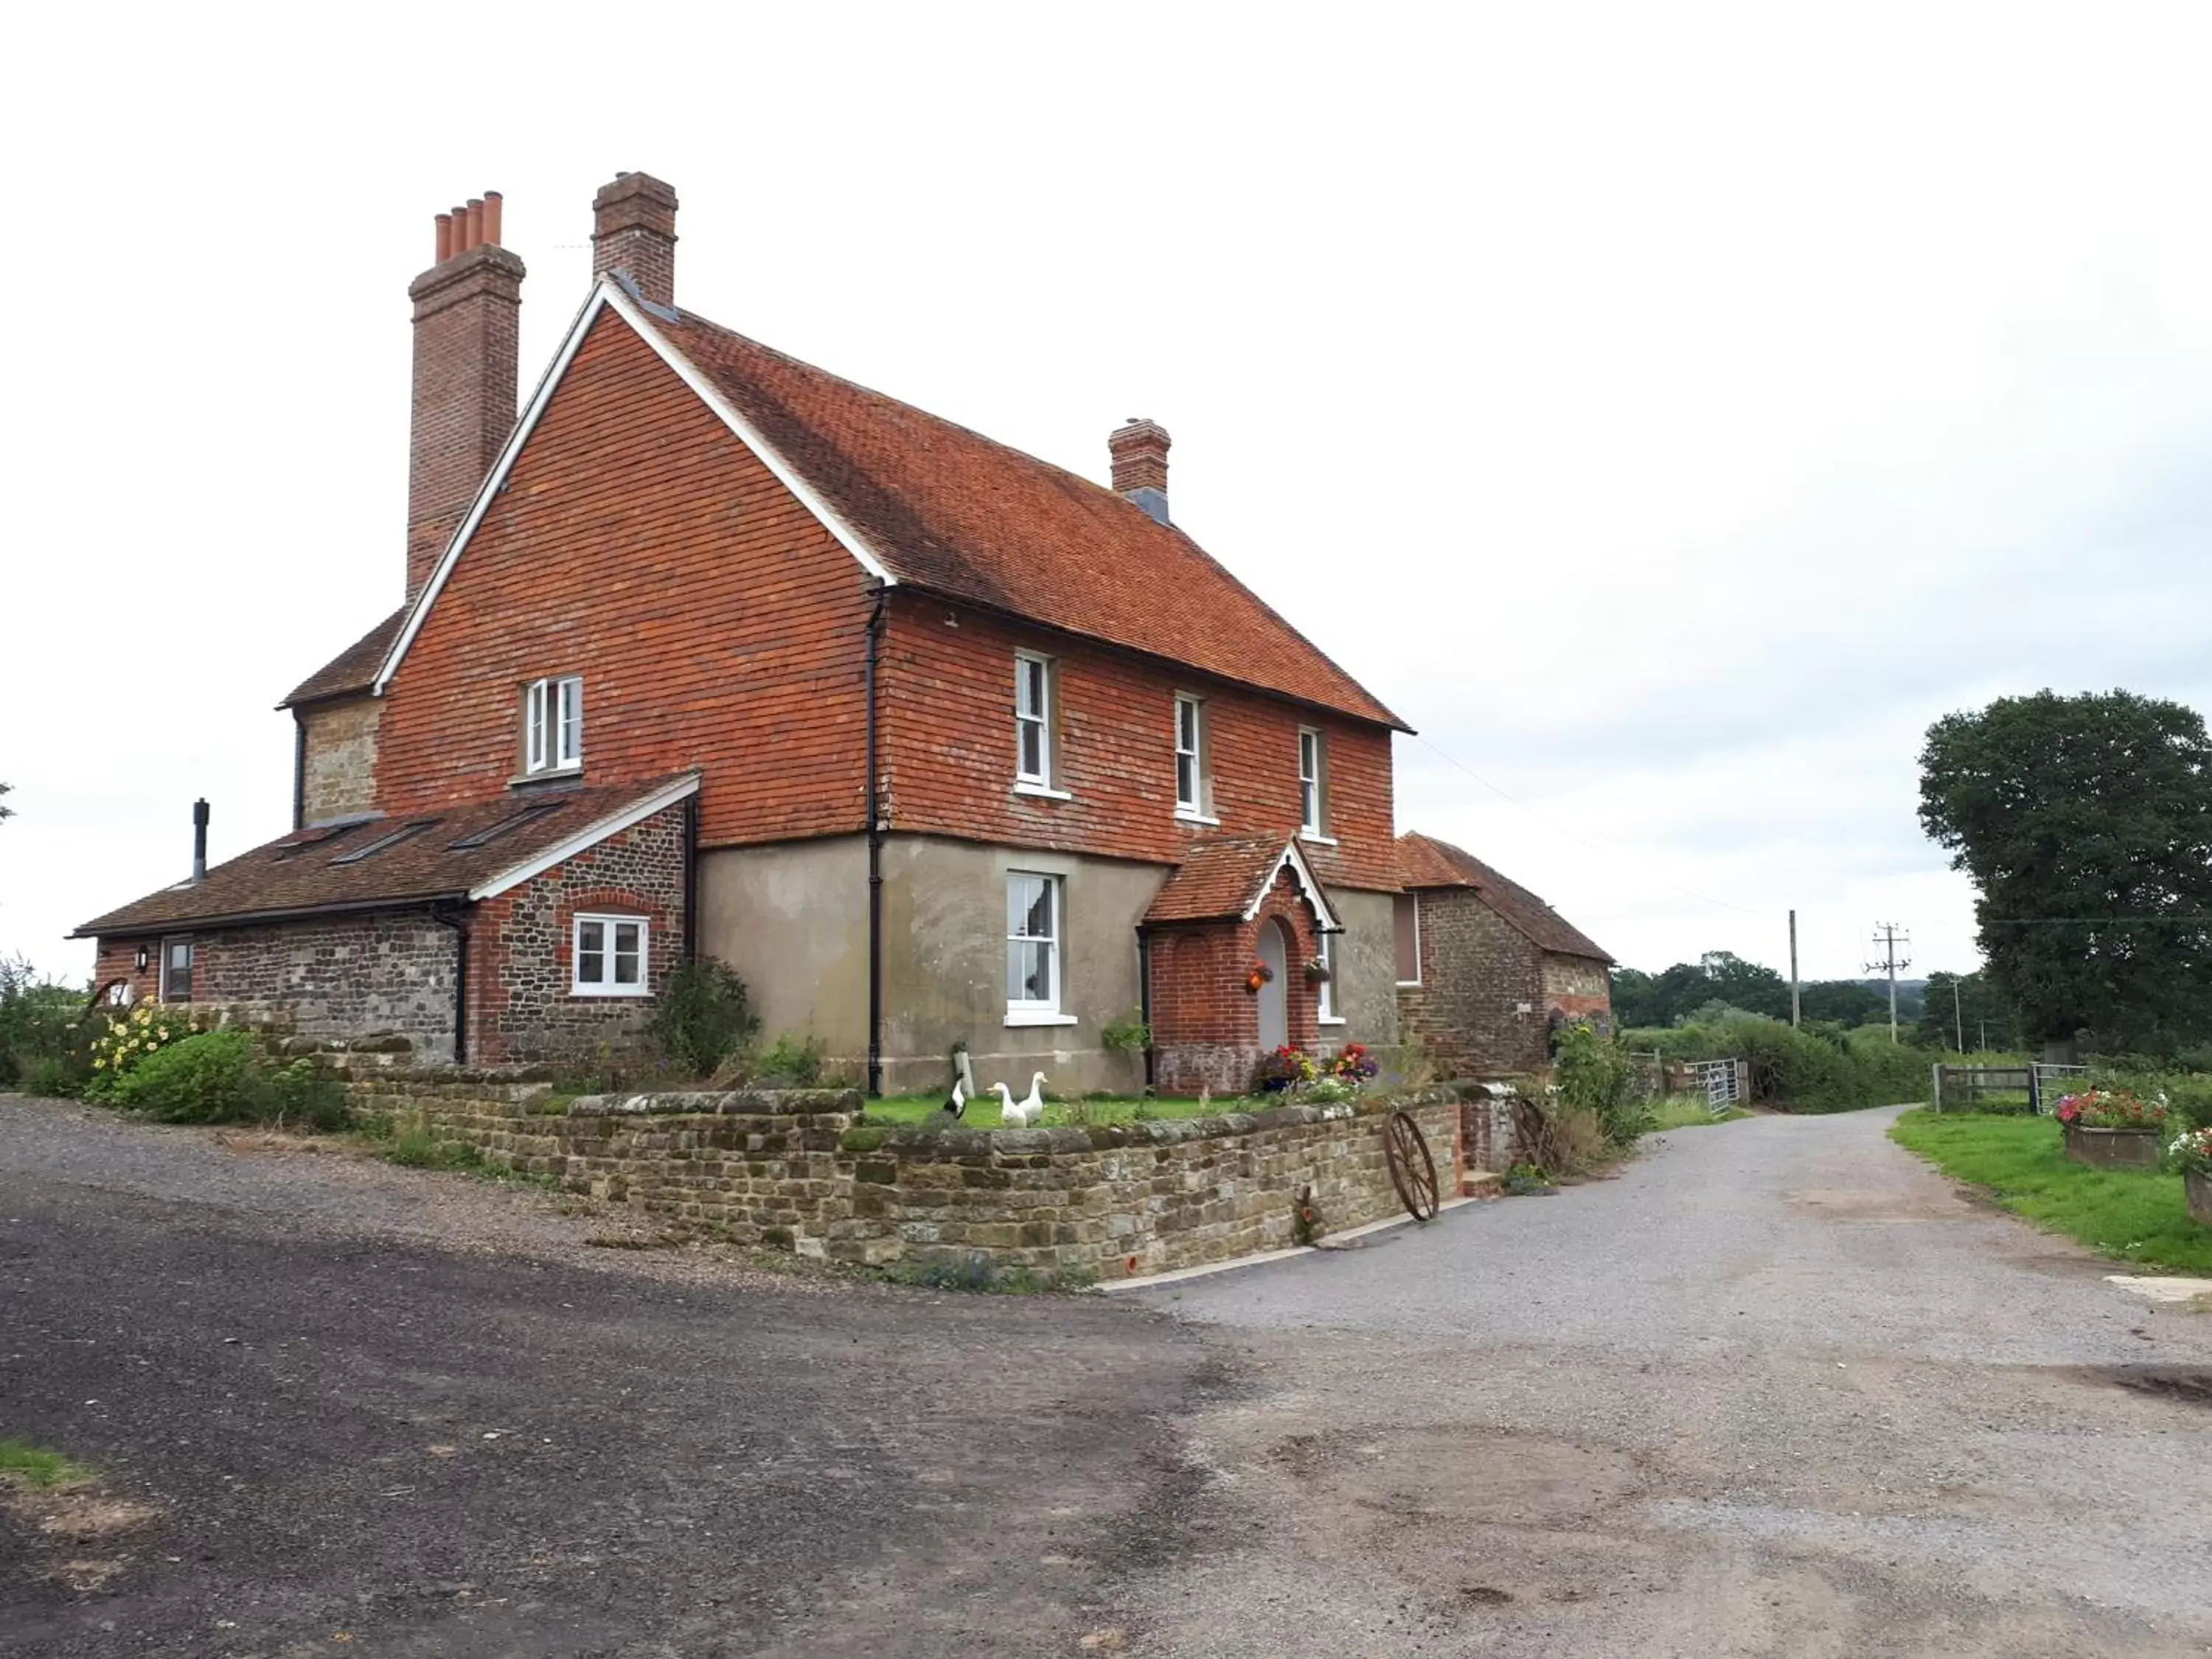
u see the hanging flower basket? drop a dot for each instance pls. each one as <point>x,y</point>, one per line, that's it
<point>1259,975</point>
<point>1317,972</point>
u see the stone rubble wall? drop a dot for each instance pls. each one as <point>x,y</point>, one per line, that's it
<point>798,1170</point>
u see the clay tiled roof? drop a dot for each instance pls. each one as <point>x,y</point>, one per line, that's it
<point>1425,861</point>
<point>312,871</point>
<point>948,510</point>
<point>353,669</point>
<point>1222,878</point>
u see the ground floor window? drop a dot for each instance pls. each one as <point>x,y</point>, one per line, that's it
<point>1326,998</point>
<point>610,956</point>
<point>176,970</point>
<point>1033,940</point>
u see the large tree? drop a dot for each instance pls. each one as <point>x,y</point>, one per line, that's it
<point>2087,824</point>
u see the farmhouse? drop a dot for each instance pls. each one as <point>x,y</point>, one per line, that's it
<point>715,652</point>
<point>1487,970</point>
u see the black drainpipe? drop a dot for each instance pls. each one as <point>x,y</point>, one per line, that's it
<point>460,983</point>
<point>299,771</point>
<point>691,877</point>
<point>875,866</point>
<point>1145,1000</point>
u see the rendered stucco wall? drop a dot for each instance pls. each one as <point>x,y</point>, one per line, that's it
<point>793,919</point>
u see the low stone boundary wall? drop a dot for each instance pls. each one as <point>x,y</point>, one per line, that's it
<point>798,1170</point>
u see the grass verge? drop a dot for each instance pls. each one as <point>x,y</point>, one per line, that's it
<point>2135,1217</point>
<point>1688,1112</point>
<point>23,1464</point>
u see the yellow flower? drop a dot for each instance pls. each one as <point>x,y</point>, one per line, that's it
<point>98,1064</point>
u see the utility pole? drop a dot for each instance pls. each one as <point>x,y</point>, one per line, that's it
<point>1888,936</point>
<point>1794,1006</point>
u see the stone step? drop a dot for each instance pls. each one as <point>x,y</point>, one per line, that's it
<point>1480,1183</point>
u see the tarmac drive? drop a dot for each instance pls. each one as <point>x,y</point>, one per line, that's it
<point>1774,1390</point>
<point>1778,1390</point>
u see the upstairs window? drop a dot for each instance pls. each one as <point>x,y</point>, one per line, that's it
<point>1032,944</point>
<point>553,726</point>
<point>1033,687</point>
<point>609,956</point>
<point>1191,781</point>
<point>1313,781</point>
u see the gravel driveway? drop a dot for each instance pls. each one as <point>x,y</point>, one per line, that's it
<point>1775,1390</point>
<point>380,1412</point>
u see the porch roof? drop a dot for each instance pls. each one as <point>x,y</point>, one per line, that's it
<point>1224,878</point>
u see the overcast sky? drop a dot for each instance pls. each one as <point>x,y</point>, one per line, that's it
<point>1668,411</point>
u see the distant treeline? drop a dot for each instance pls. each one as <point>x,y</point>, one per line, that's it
<point>1719,981</point>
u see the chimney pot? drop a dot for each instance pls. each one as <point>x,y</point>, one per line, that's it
<point>493,202</point>
<point>1140,452</point>
<point>476,222</point>
<point>634,235</point>
<point>199,839</point>
<point>445,238</point>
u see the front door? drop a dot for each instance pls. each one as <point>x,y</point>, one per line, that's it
<point>1274,995</point>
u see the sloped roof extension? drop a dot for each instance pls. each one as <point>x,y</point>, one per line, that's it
<point>1425,861</point>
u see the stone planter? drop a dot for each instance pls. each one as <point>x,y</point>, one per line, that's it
<point>2113,1149</point>
<point>2196,1186</point>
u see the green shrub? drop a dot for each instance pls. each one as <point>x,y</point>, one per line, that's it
<point>206,1077</point>
<point>1813,1070</point>
<point>46,1032</point>
<point>299,1096</point>
<point>1593,1075</point>
<point>793,1060</point>
<point>704,1016</point>
<point>1128,1034</point>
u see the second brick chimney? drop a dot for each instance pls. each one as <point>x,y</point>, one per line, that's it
<point>634,233</point>
<point>468,314</point>
<point>1140,463</point>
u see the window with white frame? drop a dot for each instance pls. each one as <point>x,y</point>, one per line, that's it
<point>553,725</point>
<point>610,956</point>
<point>1325,997</point>
<point>1033,942</point>
<point>1313,765</point>
<point>1190,757</point>
<point>176,970</point>
<point>1032,720</point>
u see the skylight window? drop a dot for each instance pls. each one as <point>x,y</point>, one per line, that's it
<point>314,838</point>
<point>505,826</point>
<point>404,832</point>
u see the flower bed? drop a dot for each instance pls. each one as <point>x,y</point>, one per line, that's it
<point>2110,1128</point>
<point>2192,1153</point>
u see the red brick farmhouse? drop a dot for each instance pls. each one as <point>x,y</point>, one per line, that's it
<point>713,652</point>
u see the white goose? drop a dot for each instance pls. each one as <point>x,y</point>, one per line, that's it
<point>1020,1113</point>
<point>957,1106</point>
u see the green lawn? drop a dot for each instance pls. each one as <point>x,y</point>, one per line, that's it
<point>983,1114</point>
<point>2137,1218</point>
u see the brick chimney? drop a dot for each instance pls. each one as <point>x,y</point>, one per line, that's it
<point>1140,463</point>
<point>468,314</point>
<point>634,235</point>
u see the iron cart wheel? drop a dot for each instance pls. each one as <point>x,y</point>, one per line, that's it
<point>1413,1172</point>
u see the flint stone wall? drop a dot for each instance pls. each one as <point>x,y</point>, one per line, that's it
<point>798,1169</point>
